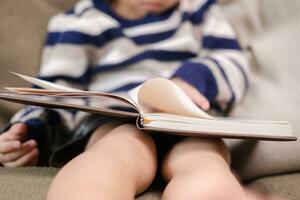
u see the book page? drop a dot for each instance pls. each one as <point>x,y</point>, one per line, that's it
<point>164,95</point>
<point>44,84</point>
<point>93,104</point>
<point>52,89</point>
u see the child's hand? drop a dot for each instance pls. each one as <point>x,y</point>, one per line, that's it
<point>15,151</point>
<point>193,93</point>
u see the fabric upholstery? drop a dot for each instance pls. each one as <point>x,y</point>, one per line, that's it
<point>274,95</point>
<point>33,182</point>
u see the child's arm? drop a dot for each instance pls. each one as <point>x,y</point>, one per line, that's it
<point>65,60</point>
<point>221,72</point>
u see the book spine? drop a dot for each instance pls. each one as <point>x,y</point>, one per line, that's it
<point>140,122</point>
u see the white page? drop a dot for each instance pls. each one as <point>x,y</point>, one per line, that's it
<point>164,95</point>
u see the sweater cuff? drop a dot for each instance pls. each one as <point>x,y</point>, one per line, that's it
<point>37,130</point>
<point>199,76</point>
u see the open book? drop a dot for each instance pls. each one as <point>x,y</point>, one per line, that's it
<point>178,114</point>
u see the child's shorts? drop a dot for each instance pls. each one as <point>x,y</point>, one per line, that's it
<point>76,145</point>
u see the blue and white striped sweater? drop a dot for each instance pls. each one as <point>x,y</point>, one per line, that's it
<point>91,47</point>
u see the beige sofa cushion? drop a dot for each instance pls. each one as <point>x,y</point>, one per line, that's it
<point>33,182</point>
<point>284,186</point>
<point>25,183</point>
<point>23,28</point>
<point>274,95</point>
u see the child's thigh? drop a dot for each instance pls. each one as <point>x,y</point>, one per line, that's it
<point>194,153</point>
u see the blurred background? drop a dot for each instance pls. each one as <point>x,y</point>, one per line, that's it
<point>269,29</point>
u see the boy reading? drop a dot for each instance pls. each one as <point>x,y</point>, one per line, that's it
<point>114,46</point>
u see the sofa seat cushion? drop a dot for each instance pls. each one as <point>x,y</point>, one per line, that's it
<point>33,182</point>
<point>285,186</point>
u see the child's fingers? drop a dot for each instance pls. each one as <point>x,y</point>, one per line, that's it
<point>192,93</point>
<point>200,100</point>
<point>8,146</point>
<point>34,161</point>
<point>26,159</point>
<point>16,132</point>
<point>14,155</point>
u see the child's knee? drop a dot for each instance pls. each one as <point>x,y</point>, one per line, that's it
<point>195,187</point>
<point>133,148</point>
<point>196,193</point>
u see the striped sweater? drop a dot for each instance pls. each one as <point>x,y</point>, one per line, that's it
<point>91,47</point>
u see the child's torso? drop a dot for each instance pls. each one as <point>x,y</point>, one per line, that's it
<point>122,54</point>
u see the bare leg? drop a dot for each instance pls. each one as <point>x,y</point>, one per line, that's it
<point>117,166</point>
<point>199,169</point>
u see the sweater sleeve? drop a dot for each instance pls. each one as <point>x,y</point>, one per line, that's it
<point>221,71</point>
<point>65,61</point>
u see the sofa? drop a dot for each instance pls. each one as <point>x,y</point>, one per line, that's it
<point>269,31</point>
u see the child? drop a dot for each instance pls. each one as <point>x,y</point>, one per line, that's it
<point>113,46</point>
